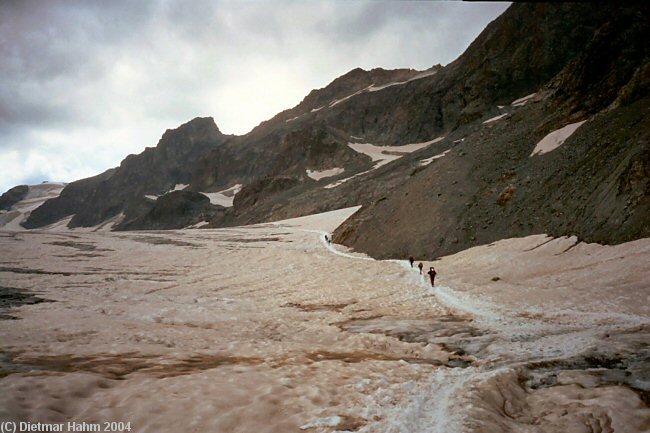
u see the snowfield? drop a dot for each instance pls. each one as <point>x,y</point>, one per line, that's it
<point>268,328</point>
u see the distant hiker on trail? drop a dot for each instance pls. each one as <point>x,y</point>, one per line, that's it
<point>421,266</point>
<point>432,274</point>
<point>411,260</point>
<point>327,239</point>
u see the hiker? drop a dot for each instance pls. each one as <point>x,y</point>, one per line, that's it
<point>421,265</point>
<point>411,260</point>
<point>327,239</point>
<point>432,274</point>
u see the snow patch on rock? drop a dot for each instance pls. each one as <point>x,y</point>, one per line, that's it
<point>225,197</point>
<point>382,155</point>
<point>522,101</point>
<point>555,139</point>
<point>429,160</point>
<point>495,118</point>
<point>317,175</point>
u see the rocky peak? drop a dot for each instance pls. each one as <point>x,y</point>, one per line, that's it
<point>197,128</point>
<point>13,196</point>
<point>152,172</point>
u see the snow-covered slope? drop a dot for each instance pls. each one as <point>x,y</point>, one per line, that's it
<point>19,212</point>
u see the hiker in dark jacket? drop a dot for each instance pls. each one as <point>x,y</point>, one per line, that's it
<point>420,266</point>
<point>432,275</point>
<point>411,260</point>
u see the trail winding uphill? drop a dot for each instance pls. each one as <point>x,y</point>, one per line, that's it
<point>268,328</point>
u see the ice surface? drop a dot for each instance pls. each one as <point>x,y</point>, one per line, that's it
<point>269,328</point>
<point>555,139</point>
<point>330,421</point>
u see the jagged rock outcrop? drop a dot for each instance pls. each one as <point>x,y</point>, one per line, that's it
<point>13,196</point>
<point>175,210</point>
<point>261,190</point>
<point>70,201</point>
<point>281,152</point>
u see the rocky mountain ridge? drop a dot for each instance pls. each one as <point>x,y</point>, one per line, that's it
<point>124,190</point>
<point>467,176</point>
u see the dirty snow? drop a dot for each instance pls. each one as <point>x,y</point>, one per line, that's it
<point>429,160</point>
<point>522,101</point>
<point>318,175</point>
<point>224,198</point>
<point>269,329</point>
<point>177,187</point>
<point>555,139</point>
<point>198,225</point>
<point>492,119</point>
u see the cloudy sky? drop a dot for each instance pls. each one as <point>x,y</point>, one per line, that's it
<point>84,83</point>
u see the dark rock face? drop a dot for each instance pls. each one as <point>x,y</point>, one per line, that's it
<point>595,186</point>
<point>261,190</point>
<point>515,55</point>
<point>488,188</point>
<point>13,196</point>
<point>282,151</point>
<point>614,56</point>
<point>70,201</point>
<point>154,171</point>
<point>176,210</point>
